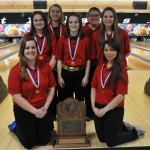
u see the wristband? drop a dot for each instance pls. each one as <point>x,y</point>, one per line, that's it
<point>93,107</point>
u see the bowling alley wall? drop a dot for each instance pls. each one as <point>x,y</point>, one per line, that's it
<point>17,24</point>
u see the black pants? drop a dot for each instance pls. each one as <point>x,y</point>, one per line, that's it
<point>109,128</point>
<point>89,111</point>
<point>30,130</point>
<point>55,98</point>
<point>73,84</point>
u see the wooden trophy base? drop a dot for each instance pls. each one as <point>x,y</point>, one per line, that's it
<point>3,92</point>
<point>72,141</point>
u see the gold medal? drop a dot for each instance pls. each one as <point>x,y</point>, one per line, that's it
<point>37,91</point>
<point>73,62</point>
<point>40,57</point>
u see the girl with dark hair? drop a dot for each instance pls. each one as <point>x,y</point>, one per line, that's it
<point>55,21</point>
<point>46,42</point>
<point>73,63</point>
<point>109,86</point>
<point>32,86</point>
<point>109,29</point>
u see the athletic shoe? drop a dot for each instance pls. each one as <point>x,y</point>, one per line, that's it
<point>128,126</point>
<point>88,118</point>
<point>12,126</point>
<point>140,132</point>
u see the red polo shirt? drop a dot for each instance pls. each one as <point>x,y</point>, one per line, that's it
<point>89,32</point>
<point>27,88</point>
<point>108,94</point>
<point>57,32</point>
<point>98,53</point>
<point>48,50</point>
<point>82,52</point>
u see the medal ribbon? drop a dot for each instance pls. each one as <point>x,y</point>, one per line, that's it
<point>54,32</point>
<point>112,35</point>
<point>34,81</point>
<point>73,53</point>
<point>103,81</point>
<point>40,49</point>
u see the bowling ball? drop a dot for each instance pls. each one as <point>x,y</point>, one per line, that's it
<point>129,27</point>
<point>141,30</point>
<point>1,28</point>
<point>13,31</point>
<point>27,27</point>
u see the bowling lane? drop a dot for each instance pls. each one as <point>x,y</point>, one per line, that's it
<point>8,51</point>
<point>141,49</point>
<point>141,44</point>
<point>136,63</point>
<point>4,44</point>
<point>142,53</point>
<point>6,65</point>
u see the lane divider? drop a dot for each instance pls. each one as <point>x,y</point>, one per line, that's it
<point>9,54</point>
<point>7,46</point>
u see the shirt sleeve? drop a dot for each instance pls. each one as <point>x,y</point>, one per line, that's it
<point>14,81</point>
<point>26,35</point>
<point>52,82</point>
<point>88,49</point>
<point>94,82</point>
<point>122,86</point>
<point>126,42</point>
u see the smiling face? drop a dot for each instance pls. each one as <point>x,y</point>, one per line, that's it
<point>109,53</point>
<point>94,17</point>
<point>30,51</point>
<point>55,13</point>
<point>38,22</point>
<point>73,25</point>
<point>108,18</point>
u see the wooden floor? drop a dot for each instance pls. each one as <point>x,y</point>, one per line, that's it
<point>137,108</point>
<point>137,64</point>
<point>142,44</point>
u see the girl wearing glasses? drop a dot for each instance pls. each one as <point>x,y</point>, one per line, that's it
<point>89,29</point>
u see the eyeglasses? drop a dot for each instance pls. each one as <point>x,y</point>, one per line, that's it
<point>94,15</point>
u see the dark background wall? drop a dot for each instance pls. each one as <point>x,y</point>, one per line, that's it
<point>22,18</point>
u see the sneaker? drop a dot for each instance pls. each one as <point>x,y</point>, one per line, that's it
<point>128,126</point>
<point>88,118</point>
<point>12,126</point>
<point>140,132</point>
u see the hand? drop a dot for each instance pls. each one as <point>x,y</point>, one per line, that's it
<point>44,109</point>
<point>95,109</point>
<point>101,112</point>
<point>40,113</point>
<point>61,82</point>
<point>84,81</point>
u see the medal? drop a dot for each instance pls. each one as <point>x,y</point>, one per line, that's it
<point>40,48</point>
<point>103,81</point>
<point>41,57</point>
<point>35,81</point>
<point>73,62</point>
<point>73,52</point>
<point>102,91</point>
<point>37,91</point>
